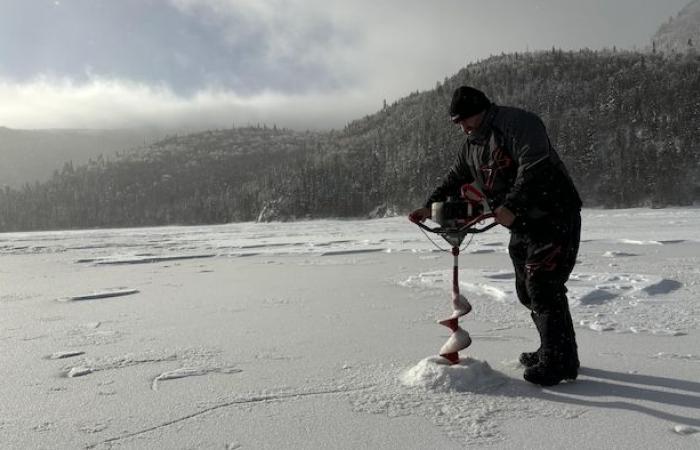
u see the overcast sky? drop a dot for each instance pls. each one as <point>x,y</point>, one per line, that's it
<point>295,63</point>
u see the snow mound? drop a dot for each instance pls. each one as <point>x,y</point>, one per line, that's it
<point>486,290</point>
<point>185,372</point>
<point>436,374</point>
<point>79,371</point>
<point>685,429</point>
<point>108,293</point>
<point>499,288</point>
<point>615,254</point>
<point>599,325</point>
<point>65,354</point>
<point>479,251</point>
<point>141,259</point>
<point>639,242</point>
<point>677,356</point>
<point>601,288</point>
<point>352,252</point>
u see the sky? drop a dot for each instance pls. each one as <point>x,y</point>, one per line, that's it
<point>302,64</point>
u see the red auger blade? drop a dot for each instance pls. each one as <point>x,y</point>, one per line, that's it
<point>453,358</point>
<point>451,323</point>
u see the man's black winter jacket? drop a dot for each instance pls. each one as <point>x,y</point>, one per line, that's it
<point>510,159</point>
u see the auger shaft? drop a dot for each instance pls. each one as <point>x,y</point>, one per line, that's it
<point>455,271</point>
<point>459,339</point>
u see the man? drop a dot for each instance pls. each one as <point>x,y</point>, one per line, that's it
<point>508,156</point>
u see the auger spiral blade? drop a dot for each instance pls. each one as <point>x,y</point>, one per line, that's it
<point>452,358</point>
<point>459,340</point>
<point>452,323</point>
<point>460,305</point>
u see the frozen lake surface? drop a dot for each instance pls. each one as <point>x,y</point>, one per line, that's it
<point>323,334</point>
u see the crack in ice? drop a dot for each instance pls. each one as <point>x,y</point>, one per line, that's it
<point>251,400</point>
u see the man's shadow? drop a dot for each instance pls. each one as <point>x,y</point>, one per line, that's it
<point>644,388</point>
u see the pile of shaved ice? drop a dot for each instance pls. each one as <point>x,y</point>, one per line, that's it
<point>437,374</point>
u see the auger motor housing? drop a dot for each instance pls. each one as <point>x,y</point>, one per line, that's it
<point>455,212</point>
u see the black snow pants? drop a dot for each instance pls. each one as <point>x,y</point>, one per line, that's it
<point>543,258</point>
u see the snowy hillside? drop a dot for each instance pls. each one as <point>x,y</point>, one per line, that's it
<point>33,155</point>
<point>323,334</point>
<point>681,33</point>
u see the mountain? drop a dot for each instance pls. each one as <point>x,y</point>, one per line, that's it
<point>33,155</point>
<point>682,33</point>
<point>627,138</point>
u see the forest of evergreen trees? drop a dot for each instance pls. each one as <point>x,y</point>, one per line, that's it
<point>625,123</point>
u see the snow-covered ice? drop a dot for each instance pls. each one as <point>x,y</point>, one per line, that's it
<point>323,334</point>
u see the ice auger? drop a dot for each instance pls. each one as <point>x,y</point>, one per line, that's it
<point>458,217</point>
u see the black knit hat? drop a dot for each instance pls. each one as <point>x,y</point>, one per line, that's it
<point>467,102</point>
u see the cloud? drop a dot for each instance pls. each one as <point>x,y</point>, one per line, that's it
<point>297,63</point>
<point>290,44</point>
<point>186,45</point>
<point>302,64</point>
<point>104,103</point>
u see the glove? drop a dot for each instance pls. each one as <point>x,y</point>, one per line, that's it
<point>419,215</point>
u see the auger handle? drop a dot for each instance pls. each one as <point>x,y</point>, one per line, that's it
<point>476,220</point>
<point>467,228</point>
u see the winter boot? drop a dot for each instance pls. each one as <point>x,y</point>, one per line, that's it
<point>573,361</point>
<point>556,360</point>
<point>529,359</point>
<point>550,370</point>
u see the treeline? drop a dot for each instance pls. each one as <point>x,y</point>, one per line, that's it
<point>626,124</point>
